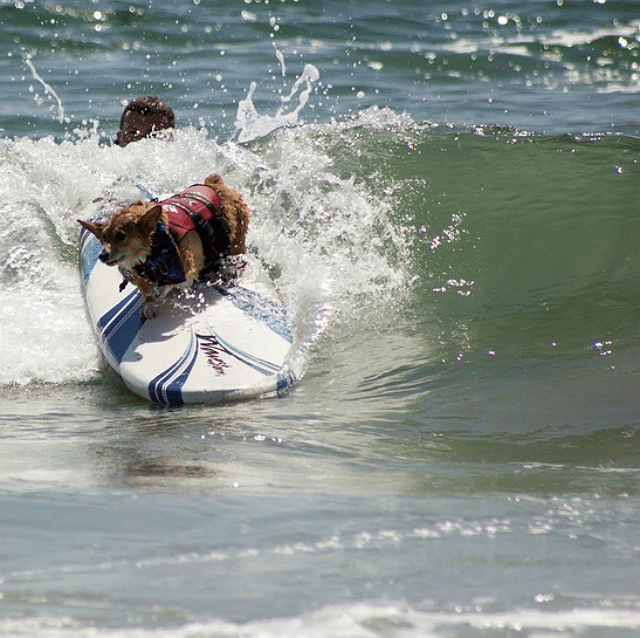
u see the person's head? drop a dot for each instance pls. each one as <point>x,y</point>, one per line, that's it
<point>143,117</point>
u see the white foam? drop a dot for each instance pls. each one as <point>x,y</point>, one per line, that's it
<point>355,620</point>
<point>45,337</point>
<point>328,239</point>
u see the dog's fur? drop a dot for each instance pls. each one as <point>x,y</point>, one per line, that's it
<point>127,238</point>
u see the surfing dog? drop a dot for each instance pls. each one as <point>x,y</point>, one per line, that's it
<point>177,241</point>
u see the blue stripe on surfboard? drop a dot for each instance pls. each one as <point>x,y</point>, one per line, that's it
<point>261,365</point>
<point>119,326</point>
<point>166,388</point>
<point>258,307</point>
<point>285,380</point>
<point>90,249</point>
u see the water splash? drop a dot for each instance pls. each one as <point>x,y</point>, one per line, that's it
<point>252,125</point>
<point>324,241</point>
<point>280,58</point>
<point>48,89</point>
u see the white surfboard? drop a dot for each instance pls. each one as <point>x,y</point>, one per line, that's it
<point>216,343</point>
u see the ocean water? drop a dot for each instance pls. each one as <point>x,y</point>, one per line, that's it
<point>446,199</point>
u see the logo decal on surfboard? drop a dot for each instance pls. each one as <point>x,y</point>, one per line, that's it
<point>213,350</point>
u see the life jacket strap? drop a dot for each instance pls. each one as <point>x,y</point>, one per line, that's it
<point>207,220</point>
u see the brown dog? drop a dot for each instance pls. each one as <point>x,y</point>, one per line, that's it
<point>176,241</point>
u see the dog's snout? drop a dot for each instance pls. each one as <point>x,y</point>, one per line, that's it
<point>104,256</point>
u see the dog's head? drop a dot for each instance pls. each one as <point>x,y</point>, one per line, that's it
<point>127,235</point>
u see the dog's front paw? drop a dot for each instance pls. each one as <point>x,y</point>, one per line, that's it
<point>187,284</point>
<point>150,310</point>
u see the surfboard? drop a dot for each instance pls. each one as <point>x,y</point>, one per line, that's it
<point>215,343</point>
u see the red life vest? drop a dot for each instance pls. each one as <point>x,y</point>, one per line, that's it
<point>196,200</point>
<point>197,207</point>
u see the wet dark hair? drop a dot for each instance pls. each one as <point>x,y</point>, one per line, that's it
<point>150,105</point>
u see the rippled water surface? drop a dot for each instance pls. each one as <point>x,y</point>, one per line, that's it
<point>446,201</point>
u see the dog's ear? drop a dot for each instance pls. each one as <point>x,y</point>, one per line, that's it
<point>96,228</point>
<point>150,219</point>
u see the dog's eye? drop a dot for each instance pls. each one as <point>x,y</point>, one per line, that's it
<point>118,236</point>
